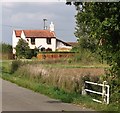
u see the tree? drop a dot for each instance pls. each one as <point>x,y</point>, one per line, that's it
<point>99,22</point>
<point>23,50</point>
<point>5,48</point>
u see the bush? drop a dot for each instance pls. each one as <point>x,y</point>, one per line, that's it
<point>5,48</point>
<point>5,51</point>
<point>23,49</point>
<point>15,65</point>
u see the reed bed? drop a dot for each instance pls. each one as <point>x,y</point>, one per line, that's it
<point>68,79</point>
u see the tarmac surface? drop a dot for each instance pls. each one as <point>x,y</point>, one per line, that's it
<point>15,98</point>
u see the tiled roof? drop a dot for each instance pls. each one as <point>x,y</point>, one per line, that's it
<point>36,33</point>
<point>18,33</point>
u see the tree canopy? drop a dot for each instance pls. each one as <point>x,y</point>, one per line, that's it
<point>98,28</point>
<point>98,23</point>
<point>5,48</point>
<point>23,50</point>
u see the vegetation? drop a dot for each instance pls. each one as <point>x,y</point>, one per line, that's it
<point>98,30</point>
<point>23,50</point>
<point>5,51</point>
<point>57,82</point>
<point>5,48</point>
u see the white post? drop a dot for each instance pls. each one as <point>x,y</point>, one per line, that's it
<point>83,90</point>
<point>104,92</point>
<point>108,87</point>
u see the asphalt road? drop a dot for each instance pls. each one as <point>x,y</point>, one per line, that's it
<point>15,98</point>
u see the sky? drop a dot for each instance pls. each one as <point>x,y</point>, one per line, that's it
<point>30,15</point>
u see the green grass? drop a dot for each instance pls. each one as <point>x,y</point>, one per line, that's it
<point>76,66</point>
<point>54,92</point>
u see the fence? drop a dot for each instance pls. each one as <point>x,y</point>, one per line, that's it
<point>104,93</point>
<point>55,55</point>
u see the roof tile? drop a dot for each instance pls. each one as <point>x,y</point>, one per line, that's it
<point>18,33</point>
<point>36,33</point>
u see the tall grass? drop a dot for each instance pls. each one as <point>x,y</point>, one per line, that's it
<point>68,79</point>
<point>60,83</point>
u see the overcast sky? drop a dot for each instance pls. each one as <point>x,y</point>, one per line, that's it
<point>30,15</point>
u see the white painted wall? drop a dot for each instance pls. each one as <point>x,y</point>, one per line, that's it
<point>38,42</point>
<point>23,36</point>
<point>14,41</point>
<point>62,45</point>
<point>43,43</point>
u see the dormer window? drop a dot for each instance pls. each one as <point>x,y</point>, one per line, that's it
<point>33,41</point>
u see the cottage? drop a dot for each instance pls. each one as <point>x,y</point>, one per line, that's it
<point>41,39</point>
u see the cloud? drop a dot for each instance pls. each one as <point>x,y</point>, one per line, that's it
<point>33,0</point>
<point>27,17</point>
<point>30,16</point>
<point>8,4</point>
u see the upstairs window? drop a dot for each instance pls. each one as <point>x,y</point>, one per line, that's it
<point>48,40</point>
<point>33,41</point>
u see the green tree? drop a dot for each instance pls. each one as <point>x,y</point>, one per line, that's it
<point>23,50</point>
<point>99,24</point>
<point>5,48</point>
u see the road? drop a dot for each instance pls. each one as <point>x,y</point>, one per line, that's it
<point>15,98</point>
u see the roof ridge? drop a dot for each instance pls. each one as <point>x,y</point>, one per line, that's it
<point>36,33</point>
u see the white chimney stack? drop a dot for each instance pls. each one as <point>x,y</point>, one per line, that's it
<point>51,26</point>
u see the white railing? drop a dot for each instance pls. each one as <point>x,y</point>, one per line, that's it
<point>104,93</point>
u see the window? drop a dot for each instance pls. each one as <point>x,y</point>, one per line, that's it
<point>27,40</point>
<point>32,40</point>
<point>48,40</point>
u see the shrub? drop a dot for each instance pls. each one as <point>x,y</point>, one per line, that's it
<point>15,65</point>
<point>5,51</point>
<point>23,49</point>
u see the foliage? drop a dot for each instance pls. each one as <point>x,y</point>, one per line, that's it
<point>98,28</point>
<point>23,50</point>
<point>5,48</point>
<point>15,64</point>
<point>5,51</point>
<point>54,91</point>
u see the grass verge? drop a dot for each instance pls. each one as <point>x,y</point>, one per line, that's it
<point>54,92</point>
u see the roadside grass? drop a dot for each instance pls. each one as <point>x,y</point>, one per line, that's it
<point>5,66</point>
<point>54,91</point>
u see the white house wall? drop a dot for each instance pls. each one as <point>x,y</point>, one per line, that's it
<point>43,43</point>
<point>62,45</point>
<point>14,40</point>
<point>59,44</point>
<point>39,42</point>
<point>23,36</point>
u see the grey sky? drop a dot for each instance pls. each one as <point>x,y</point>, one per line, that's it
<point>30,15</point>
